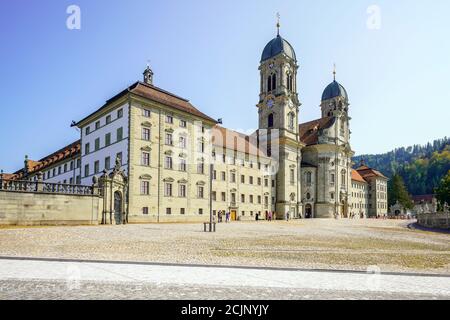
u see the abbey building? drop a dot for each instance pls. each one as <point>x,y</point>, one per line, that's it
<point>177,159</point>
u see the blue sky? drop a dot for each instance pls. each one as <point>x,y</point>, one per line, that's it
<point>397,77</point>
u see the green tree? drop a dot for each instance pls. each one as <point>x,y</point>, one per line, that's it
<point>398,192</point>
<point>443,190</point>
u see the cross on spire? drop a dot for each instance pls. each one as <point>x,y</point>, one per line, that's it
<point>278,23</point>
<point>334,72</point>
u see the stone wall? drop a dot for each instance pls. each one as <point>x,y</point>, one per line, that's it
<point>437,220</point>
<point>25,208</point>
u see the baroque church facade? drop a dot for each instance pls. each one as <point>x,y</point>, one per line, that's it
<point>179,161</point>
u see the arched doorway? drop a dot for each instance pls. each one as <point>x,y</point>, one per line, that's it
<point>118,207</point>
<point>308,211</point>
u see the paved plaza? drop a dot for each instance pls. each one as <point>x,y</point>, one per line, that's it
<point>40,279</point>
<point>315,259</point>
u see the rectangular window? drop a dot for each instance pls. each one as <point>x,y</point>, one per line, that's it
<point>169,139</point>
<point>107,163</point>
<point>168,163</point>
<point>292,176</point>
<point>120,113</point>
<point>108,119</point>
<point>145,187</point>
<point>182,191</point>
<point>97,144</point>
<point>71,165</point>
<point>233,177</point>
<point>242,198</point>
<point>146,134</point>
<point>201,168</point>
<point>214,175</point>
<point>119,134</point>
<point>146,113</point>
<point>259,181</point>
<point>183,123</point>
<point>182,165</point>
<point>86,170</point>
<point>182,211</point>
<point>107,139</point>
<point>223,173</point>
<point>97,125</point>
<point>59,170</point>
<point>224,197</point>
<point>78,163</point>
<point>145,158</point>
<point>145,210</point>
<point>259,199</point>
<point>168,189</point>
<point>201,147</point>
<point>251,180</point>
<point>266,182</point>
<point>251,199</point>
<point>242,179</point>
<point>182,142</point>
<point>86,148</point>
<point>169,119</point>
<point>65,167</point>
<point>88,130</point>
<point>78,179</point>
<point>200,211</point>
<point>200,193</point>
<point>214,196</point>
<point>96,167</point>
<point>71,180</point>
<point>233,197</point>
<point>169,211</point>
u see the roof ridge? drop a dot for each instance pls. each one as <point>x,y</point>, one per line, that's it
<point>162,91</point>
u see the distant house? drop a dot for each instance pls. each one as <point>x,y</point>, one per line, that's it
<point>427,202</point>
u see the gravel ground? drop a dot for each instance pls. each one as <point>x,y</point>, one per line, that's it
<point>322,244</point>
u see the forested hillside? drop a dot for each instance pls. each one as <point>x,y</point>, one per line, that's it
<point>421,167</point>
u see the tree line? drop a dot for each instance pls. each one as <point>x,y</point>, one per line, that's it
<point>419,169</point>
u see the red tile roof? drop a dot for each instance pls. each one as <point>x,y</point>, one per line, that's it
<point>357,177</point>
<point>309,131</point>
<point>367,172</point>
<point>156,94</point>
<point>428,198</point>
<point>164,97</point>
<point>69,151</point>
<point>226,138</point>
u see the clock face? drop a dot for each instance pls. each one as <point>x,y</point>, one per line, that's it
<point>270,103</point>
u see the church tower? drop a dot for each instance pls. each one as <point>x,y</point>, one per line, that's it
<point>278,109</point>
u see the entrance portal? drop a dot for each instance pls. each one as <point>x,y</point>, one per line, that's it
<point>118,207</point>
<point>308,211</point>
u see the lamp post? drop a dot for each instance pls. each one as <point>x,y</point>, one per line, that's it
<point>211,225</point>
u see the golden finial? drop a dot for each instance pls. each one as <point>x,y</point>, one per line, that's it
<point>334,72</point>
<point>278,23</point>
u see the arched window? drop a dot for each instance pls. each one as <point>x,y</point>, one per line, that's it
<point>270,121</point>
<point>274,81</point>
<point>308,179</point>
<point>269,83</point>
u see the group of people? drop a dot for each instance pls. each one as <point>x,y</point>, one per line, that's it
<point>221,214</point>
